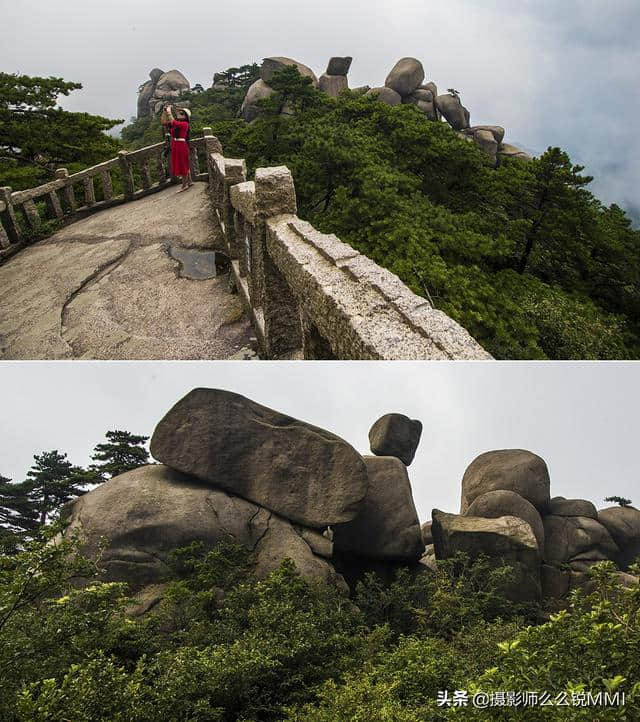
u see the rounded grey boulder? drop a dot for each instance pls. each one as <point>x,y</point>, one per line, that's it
<point>297,470</point>
<point>395,435</point>
<point>388,526</point>
<point>339,66</point>
<point>257,91</point>
<point>499,503</point>
<point>171,84</point>
<point>384,95</point>
<point>623,523</point>
<point>270,66</point>
<point>559,506</point>
<point>405,76</point>
<point>577,539</point>
<point>454,112</point>
<point>509,469</point>
<point>147,513</point>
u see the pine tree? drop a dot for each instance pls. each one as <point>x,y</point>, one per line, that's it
<point>51,482</point>
<point>122,452</point>
<point>17,517</point>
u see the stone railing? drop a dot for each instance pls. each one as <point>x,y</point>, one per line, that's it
<point>308,294</point>
<point>70,197</point>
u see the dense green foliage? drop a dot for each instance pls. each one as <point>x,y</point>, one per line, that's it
<point>37,137</point>
<point>523,256</point>
<point>224,646</point>
<point>53,481</point>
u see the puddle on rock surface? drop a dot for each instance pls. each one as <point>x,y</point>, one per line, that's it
<point>199,265</point>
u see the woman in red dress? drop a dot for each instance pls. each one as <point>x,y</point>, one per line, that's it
<point>179,128</point>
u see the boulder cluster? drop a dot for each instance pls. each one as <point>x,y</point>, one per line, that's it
<point>507,513</point>
<point>231,468</point>
<point>282,488</point>
<point>162,87</point>
<point>404,84</point>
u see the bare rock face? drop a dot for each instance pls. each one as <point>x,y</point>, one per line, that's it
<point>424,100</point>
<point>507,150</point>
<point>623,523</point>
<point>257,91</point>
<point>454,112</point>
<point>388,526</point>
<point>486,141</point>
<point>385,95</point>
<point>270,66</point>
<point>333,85</point>
<point>427,536</point>
<point>510,469</point>
<point>147,513</point>
<point>339,66</point>
<point>577,540</point>
<point>145,94</point>
<point>395,435</point>
<point>405,76</point>
<point>292,468</point>
<point>499,503</point>
<point>507,539</point>
<point>559,506</point>
<point>171,85</point>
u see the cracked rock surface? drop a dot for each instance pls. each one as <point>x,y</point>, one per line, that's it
<point>146,513</point>
<point>106,288</point>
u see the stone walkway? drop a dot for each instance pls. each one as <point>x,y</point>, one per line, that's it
<point>106,288</point>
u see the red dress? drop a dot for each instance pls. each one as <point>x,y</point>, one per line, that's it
<point>179,148</point>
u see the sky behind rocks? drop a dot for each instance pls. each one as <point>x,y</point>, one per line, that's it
<point>580,417</point>
<point>553,73</point>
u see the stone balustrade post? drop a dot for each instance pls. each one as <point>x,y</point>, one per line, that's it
<point>211,143</point>
<point>127,175</point>
<point>11,226</point>
<point>275,196</point>
<point>68,192</point>
<point>235,171</point>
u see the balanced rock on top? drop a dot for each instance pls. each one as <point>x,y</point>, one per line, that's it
<point>395,435</point>
<point>297,470</point>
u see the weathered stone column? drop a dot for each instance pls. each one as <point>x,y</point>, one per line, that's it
<point>276,195</point>
<point>127,175</point>
<point>211,142</point>
<point>69,193</point>
<point>235,171</point>
<point>10,222</point>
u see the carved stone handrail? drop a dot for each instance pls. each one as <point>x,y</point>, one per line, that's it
<point>140,172</point>
<point>308,294</point>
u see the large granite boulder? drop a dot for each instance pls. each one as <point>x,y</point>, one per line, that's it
<point>577,540</point>
<point>510,469</point>
<point>427,535</point>
<point>424,100</point>
<point>144,96</point>
<point>454,112</point>
<point>384,95</point>
<point>395,435</point>
<point>333,85</point>
<point>147,513</point>
<point>559,506</point>
<point>270,66</point>
<point>495,504</point>
<point>256,92</point>
<point>405,76</point>
<point>388,526</point>
<point>507,150</point>
<point>486,141</point>
<point>297,470</point>
<point>623,523</point>
<point>339,66</point>
<point>171,85</point>
<point>506,539</point>
<point>496,131</point>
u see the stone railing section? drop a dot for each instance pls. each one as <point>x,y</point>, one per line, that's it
<point>308,294</point>
<point>70,197</point>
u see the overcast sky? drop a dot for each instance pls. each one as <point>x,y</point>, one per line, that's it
<point>553,73</point>
<point>582,418</point>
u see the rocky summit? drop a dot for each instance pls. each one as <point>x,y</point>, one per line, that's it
<point>283,488</point>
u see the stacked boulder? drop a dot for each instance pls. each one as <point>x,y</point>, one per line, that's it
<point>405,84</point>
<point>231,468</point>
<point>160,89</point>
<point>334,81</point>
<point>507,513</point>
<point>262,89</point>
